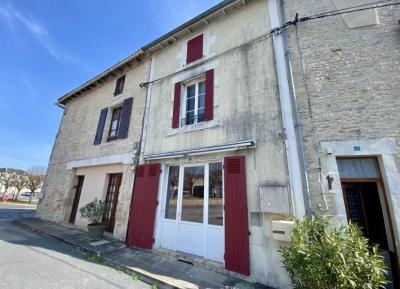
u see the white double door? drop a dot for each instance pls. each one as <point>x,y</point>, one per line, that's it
<point>192,215</point>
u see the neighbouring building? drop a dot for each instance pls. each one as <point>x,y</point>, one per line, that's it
<point>346,73</point>
<point>93,154</point>
<point>225,131</point>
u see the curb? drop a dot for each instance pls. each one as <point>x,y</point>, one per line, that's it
<point>18,204</point>
<point>107,262</point>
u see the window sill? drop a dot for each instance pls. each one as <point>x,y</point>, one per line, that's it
<point>107,143</point>
<point>117,98</point>
<point>195,62</point>
<point>194,127</point>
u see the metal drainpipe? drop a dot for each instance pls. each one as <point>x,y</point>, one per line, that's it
<point>299,133</point>
<point>146,112</point>
<point>292,149</point>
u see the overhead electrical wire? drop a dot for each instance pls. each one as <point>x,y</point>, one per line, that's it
<point>354,7</point>
<point>277,30</point>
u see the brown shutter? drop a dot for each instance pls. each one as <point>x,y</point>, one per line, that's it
<point>209,98</point>
<point>100,126</point>
<point>237,256</point>
<point>177,105</point>
<point>194,49</point>
<point>125,118</point>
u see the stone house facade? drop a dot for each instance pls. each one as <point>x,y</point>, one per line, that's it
<point>346,74</point>
<point>89,153</point>
<point>234,130</point>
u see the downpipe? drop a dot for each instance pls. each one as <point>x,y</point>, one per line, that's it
<point>288,120</point>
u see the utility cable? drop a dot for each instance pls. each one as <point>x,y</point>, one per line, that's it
<point>354,7</point>
<point>333,13</point>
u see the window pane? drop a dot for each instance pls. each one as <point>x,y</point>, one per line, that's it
<point>191,90</point>
<point>190,104</point>
<point>357,168</point>
<point>201,103</point>
<point>200,116</point>
<point>116,114</point>
<point>114,125</point>
<point>190,117</point>
<point>202,87</point>
<point>193,194</point>
<point>172,193</point>
<point>215,202</point>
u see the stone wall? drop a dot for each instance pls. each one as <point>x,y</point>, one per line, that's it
<point>347,81</point>
<point>74,141</point>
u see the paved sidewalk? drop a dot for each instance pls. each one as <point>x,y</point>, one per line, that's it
<point>152,268</point>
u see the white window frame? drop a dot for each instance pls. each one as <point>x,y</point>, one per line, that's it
<point>196,81</point>
<point>177,222</point>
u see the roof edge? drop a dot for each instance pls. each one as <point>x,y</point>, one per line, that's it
<point>63,99</point>
<point>192,21</point>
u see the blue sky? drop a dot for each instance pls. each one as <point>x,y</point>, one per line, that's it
<point>48,48</point>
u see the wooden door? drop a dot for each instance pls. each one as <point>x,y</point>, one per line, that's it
<point>78,189</point>
<point>364,208</point>
<point>114,184</point>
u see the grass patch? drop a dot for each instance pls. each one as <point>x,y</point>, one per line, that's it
<point>94,258</point>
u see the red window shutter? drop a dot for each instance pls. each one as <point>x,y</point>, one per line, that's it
<point>125,118</point>
<point>100,126</point>
<point>177,105</point>
<point>209,98</point>
<point>143,206</point>
<point>237,257</point>
<point>194,49</point>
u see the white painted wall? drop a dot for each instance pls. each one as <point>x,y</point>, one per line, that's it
<point>94,186</point>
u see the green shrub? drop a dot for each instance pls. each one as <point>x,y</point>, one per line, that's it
<point>322,257</point>
<point>93,211</point>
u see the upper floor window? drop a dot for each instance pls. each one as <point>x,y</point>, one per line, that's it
<point>115,124</point>
<point>194,49</point>
<point>120,119</point>
<point>119,87</point>
<point>195,102</point>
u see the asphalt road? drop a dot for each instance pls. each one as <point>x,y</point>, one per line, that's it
<point>29,260</point>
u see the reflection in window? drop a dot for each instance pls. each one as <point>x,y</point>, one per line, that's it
<point>115,124</point>
<point>172,193</point>
<point>195,103</point>
<point>215,202</point>
<point>193,194</point>
<point>190,104</point>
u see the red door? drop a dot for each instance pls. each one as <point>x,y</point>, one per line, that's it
<point>237,257</point>
<point>143,206</point>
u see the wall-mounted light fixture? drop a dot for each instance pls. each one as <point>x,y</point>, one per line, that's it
<point>330,181</point>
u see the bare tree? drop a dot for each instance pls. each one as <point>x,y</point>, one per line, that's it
<point>20,182</point>
<point>35,180</point>
<point>7,180</point>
